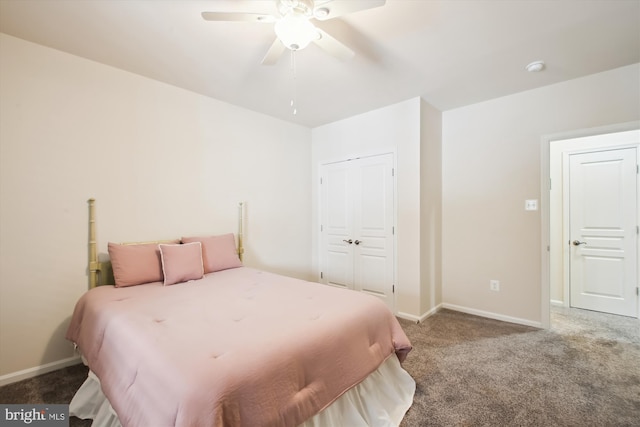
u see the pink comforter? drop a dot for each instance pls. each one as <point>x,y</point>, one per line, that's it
<point>240,347</point>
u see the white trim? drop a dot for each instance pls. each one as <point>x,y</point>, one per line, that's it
<point>419,319</point>
<point>407,316</point>
<point>558,303</point>
<point>491,315</point>
<point>545,234</point>
<point>38,370</point>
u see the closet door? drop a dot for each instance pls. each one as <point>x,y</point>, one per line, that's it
<point>373,227</point>
<point>357,222</point>
<point>337,187</point>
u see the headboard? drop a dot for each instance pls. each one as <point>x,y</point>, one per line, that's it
<point>101,272</point>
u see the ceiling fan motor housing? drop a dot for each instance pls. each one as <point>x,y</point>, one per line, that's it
<point>298,7</point>
<point>294,28</point>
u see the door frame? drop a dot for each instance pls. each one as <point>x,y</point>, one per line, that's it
<point>551,146</point>
<point>395,210</point>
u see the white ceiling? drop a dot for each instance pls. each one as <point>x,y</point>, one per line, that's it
<point>450,52</point>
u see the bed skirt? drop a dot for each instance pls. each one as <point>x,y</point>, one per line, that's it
<point>381,400</point>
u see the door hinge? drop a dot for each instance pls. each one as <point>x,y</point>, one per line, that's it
<point>321,228</point>
<point>550,186</point>
<point>393,230</point>
<point>393,172</point>
<point>321,275</point>
<point>637,290</point>
<point>320,180</point>
<point>393,289</point>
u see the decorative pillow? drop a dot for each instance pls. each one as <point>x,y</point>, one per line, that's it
<point>218,252</point>
<point>181,263</point>
<point>135,264</point>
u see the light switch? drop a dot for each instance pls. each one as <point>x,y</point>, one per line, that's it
<point>530,205</point>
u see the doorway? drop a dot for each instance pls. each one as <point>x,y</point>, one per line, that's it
<point>558,150</point>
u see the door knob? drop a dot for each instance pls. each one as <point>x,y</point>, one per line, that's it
<point>348,241</point>
<point>578,243</point>
<point>357,242</point>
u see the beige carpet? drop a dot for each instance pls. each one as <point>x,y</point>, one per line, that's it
<point>472,371</point>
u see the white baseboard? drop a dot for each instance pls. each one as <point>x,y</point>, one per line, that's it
<point>419,319</point>
<point>490,315</point>
<point>38,370</point>
<point>558,303</point>
<point>407,316</point>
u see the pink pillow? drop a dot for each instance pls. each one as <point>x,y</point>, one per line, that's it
<point>218,252</point>
<point>135,264</point>
<point>181,263</point>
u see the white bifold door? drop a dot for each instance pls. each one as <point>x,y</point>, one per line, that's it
<point>357,225</point>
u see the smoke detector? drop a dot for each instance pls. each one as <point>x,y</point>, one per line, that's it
<point>535,66</point>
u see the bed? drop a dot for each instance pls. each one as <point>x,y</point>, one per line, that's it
<point>233,347</point>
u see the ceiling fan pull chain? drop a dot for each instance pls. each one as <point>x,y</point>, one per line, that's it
<point>294,101</point>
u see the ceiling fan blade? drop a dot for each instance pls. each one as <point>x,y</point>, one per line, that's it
<point>238,17</point>
<point>334,8</point>
<point>274,53</point>
<point>333,47</point>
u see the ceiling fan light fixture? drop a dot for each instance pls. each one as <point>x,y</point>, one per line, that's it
<point>295,31</point>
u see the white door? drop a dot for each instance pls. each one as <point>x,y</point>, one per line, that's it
<point>336,227</point>
<point>357,225</point>
<point>603,231</point>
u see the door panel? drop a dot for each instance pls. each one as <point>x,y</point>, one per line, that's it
<point>603,220</point>
<point>372,210</point>
<point>337,224</point>
<point>605,276</point>
<point>357,207</point>
<point>372,275</point>
<point>373,267</point>
<point>339,271</point>
<point>373,225</point>
<point>338,216</point>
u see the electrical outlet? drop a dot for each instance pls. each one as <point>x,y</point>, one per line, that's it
<point>494,285</point>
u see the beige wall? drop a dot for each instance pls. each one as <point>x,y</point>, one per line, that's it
<point>161,161</point>
<point>395,129</point>
<point>491,165</point>
<point>412,130</point>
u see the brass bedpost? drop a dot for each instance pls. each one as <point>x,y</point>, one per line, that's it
<point>240,230</point>
<point>93,253</point>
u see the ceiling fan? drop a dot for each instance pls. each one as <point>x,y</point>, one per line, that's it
<point>293,26</point>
